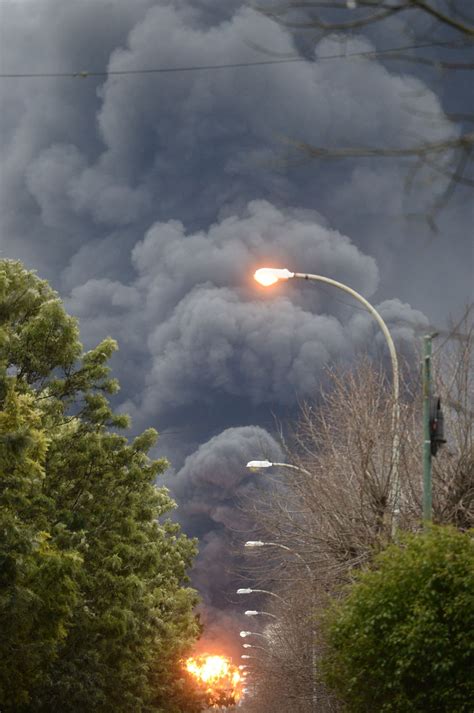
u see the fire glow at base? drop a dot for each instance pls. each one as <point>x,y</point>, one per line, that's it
<point>218,677</point>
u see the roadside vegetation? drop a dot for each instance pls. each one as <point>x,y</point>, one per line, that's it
<point>95,607</point>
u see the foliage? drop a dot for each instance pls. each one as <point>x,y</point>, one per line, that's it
<point>401,638</point>
<point>333,508</point>
<point>94,610</point>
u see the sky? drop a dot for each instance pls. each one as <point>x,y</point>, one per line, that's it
<point>148,200</point>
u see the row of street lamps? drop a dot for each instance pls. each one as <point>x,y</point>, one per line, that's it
<point>268,276</point>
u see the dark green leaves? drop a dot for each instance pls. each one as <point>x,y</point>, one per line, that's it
<point>401,639</point>
<point>95,613</point>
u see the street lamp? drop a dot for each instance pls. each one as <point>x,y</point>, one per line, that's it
<point>243,634</point>
<point>267,276</point>
<point>253,612</point>
<point>253,646</point>
<point>256,464</point>
<point>260,591</point>
<point>259,543</point>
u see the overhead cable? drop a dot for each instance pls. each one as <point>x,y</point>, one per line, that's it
<point>84,74</point>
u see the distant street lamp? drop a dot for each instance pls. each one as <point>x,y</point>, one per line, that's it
<point>256,464</point>
<point>243,634</point>
<point>260,591</point>
<point>252,646</point>
<point>258,543</point>
<point>253,612</point>
<point>267,276</point>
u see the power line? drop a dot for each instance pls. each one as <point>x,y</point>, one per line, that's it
<point>84,74</point>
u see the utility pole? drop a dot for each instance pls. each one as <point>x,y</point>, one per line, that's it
<point>433,429</point>
<point>427,488</point>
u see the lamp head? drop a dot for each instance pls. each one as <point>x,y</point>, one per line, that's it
<point>251,612</point>
<point>254,543</point>
<point>258,464</point>
<point>267,276</point>
<point>244,591</point>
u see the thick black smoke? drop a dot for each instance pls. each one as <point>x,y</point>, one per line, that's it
<point>149,199</point>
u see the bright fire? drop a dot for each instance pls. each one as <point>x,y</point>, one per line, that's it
<point>218,677</point>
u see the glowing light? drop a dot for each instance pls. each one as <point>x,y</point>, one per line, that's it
<point>218,677</point>
<point>267,276</point>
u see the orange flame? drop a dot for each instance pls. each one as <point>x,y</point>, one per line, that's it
<point>217,676</point>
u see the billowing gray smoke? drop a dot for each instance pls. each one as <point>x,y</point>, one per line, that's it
<point>149,200</point>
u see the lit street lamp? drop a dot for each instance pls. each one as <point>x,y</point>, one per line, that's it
<point>253,646</point>
<point>243,634</point>
<point>267,276</point>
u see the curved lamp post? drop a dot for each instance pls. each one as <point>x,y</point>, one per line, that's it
<point>252,646</point>
<point>267,276</point>
<point>260,591</point>
<point>243,634</point>
<point>253,612</point>
<point>256,464</point>
<point>258,543</point>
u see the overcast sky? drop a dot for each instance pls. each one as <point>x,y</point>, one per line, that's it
<point>149,199</point>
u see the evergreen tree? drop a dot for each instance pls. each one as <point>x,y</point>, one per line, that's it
<point>94,610</point>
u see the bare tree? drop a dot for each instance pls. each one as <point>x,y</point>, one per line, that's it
<point>439,39</point>
<point>281,668</point>
<point>328,517</point>
<point>454,469</point>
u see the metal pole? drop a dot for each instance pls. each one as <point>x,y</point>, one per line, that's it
<point>293,467</point>
<point>427,488</point>
<point>395,480</point>
<point>313,629</point>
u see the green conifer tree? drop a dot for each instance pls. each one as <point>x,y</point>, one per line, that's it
<point>95,613</point>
